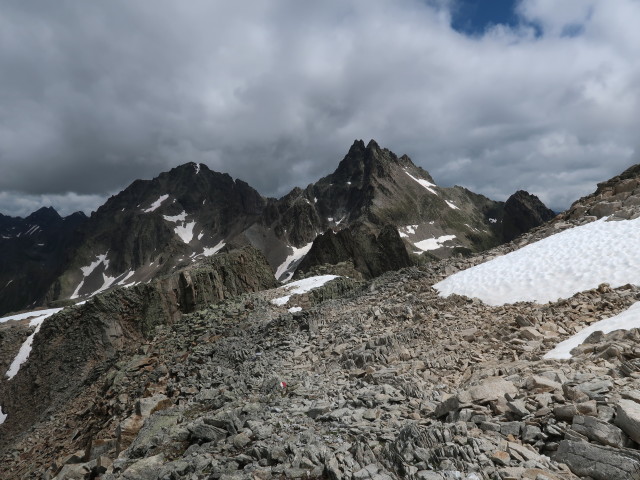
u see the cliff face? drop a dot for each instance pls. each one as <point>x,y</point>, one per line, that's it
<point>522,212</point>
<point>76,345</point>
<point>33,252</point>
<point>370,254</point>
<point>156,227</point>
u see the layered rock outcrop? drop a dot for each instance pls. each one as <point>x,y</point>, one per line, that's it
<point>75,346</point>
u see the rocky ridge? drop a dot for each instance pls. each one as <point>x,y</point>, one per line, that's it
<point>33,253</point>
<point>386,380</point>
<point>76,345</point>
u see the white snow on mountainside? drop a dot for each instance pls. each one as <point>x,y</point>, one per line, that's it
<point>432,243</point>
<point>155,205</point>
<point>25,349</point>
<point>556,267</point>
<point>302,286</point>
<point>88,270</point>
<point>285,271</point>
<point>626,320</point>
<point>426,184</point>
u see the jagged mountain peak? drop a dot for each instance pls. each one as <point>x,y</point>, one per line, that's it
<point>185,186</point>
<point>522,212</point>
<point>361,163</point>
<point>44,215</point>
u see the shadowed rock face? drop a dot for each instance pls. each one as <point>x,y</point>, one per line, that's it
<point>77,345</point>
<point>370,254</point>
<point>33,252</point>
<point>133,234</point>
<point>522,212</point>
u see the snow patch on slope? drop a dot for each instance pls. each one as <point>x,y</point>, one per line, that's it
<point>626,320</point>
<point>184,229</point>
<point>107,281</point>
<point>405,231</point>
<point>181,217</point>
<point>155,205</point>
<point>302,286</point>
<point>451,205</point>
<point>127,277</point>
<point>556,267</point>
<point>291,261</point>
<point>3,416</point>
<point>433,243</point>
<point>25,348</point>
<point>35,313</point>
<point>428,185</point>
<point>185,232</point>
<point>213,250</point>
<point>86,271</point>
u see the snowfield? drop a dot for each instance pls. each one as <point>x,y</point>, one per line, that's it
<point>556,267</point>
<point>183,229</point>
<point>35,313</point>
<point>185,232</point>
<point>25,348</point>
<point>302,286</point>
<point>425,183</point>
<point>155,205</point>
<point>207,252</point>
<point>88,270</point>
<point>433,243</point>
<point>626,320</point>
<point>290,262</point>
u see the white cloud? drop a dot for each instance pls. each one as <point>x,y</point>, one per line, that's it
<point>100,94</point>
<point>20,205</point>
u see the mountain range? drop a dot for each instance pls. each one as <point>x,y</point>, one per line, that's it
<point>517,362</point>
<point>376,212</point>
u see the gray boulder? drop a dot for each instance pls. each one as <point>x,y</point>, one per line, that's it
<point>628,418</point>
<point>599,462</point>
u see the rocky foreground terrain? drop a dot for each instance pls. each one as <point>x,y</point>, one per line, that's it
<point>387,380</point>
<point>213,374</point>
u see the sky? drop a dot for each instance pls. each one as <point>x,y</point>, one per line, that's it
<point>495,96</point>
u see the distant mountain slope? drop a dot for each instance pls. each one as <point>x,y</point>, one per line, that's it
<point>522,212</point>
<point>33,252</point>
<point>154,227</point>
<point>372,188</point>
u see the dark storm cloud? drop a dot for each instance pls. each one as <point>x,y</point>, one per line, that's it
<point>94,95</point>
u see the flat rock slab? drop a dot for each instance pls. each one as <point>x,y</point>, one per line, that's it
<point>599,462</point>
<point>628,418</point>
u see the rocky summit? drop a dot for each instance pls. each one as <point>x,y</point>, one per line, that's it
<point>354,369</point>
